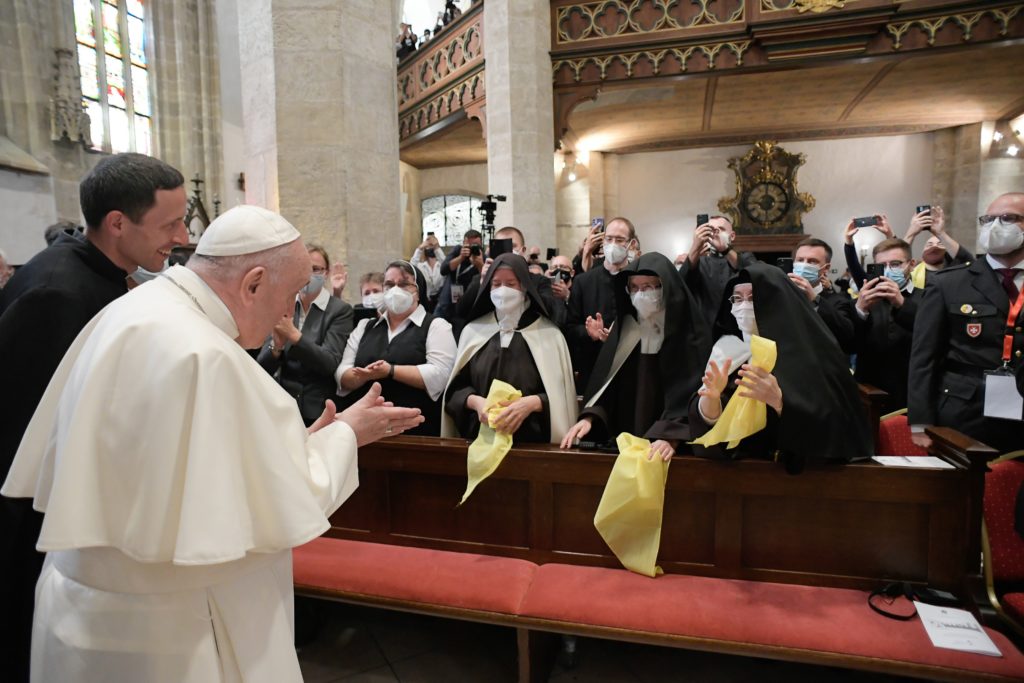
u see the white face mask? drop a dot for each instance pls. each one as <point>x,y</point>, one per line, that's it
<point>614,253</point>
<point>375,300</point>
<point>999,238</point>
<point>315,284</point>
<point>744,314</point>
<point>397,300</point>
<point>506,300</point>
<point>646,303</point>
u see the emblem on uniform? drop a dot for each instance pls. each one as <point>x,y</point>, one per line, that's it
<point>973,329</point>
<point>966,309</point>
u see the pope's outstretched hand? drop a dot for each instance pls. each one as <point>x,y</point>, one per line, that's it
<point>371,417</point>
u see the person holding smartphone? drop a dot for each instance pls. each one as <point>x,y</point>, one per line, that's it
<point>711,262</point>
<point>940,251</point>
<point>881,224</point>
<point>886,308</point>
<point>427,261</point>
<point>462,264</point>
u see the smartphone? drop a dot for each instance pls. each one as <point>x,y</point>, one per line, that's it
<point>564,274</point>
<point>476,249</point>
<point>499,247</point>
<point>597,223</point>
<point>923,207</point>
<point>430,234</point>
<point>874,270</point>
<point>785,263</point>
<point>865,222</point>
<point>552,253</point>
<point>702,218</point>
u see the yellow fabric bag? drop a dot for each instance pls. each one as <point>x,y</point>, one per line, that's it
<point>490,447</point>
<point>744,416</point>
<point>629,515</point>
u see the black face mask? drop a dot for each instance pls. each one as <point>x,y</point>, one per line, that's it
<point>429,252</point>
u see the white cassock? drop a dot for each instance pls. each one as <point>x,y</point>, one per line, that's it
<point>175,476</point>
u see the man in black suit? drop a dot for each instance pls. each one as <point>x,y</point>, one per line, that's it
<point>462,264</point>
<point>591,309</point>
<point>134,208</point>
<point>812,259</point>
<point>887,309</point>
<point>305,348</point>
<point>960,332</point>
<point>711,263</point>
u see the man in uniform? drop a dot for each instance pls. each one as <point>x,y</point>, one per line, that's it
<point>963,325</point>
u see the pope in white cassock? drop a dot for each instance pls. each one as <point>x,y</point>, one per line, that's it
<point>176,475</point>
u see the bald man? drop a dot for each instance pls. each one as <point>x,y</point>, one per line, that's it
<point>961,328</point>
<point>175,475</point>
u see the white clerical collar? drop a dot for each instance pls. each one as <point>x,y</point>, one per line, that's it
<point>204,297</point>
<point>613,269</point>
<point>416,317</point>
<point>652,332</point>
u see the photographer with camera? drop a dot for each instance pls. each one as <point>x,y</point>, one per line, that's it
<point>459,268</point>
<point>940,244</point>
<point>712,262</point>
<point>426,260</point>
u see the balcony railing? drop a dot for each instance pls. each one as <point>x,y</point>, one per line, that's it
<point>444,77</point>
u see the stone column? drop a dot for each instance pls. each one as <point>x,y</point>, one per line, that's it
<point>520,138</point>
<point>321,124</point>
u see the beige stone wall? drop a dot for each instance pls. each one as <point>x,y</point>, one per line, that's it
<point>321,123</point>
<point>464,179</point>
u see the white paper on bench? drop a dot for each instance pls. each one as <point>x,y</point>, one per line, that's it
<point>929,462</point>
<point>955,629</point>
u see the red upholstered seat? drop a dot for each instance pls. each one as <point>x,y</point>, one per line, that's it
<point>1001,486</point>
<point>748,613</point>
<point>463,580</point>
<point>1013,603</point>
<point>894,437</point>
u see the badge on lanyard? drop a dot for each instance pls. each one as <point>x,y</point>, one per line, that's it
<point>1002,400</point>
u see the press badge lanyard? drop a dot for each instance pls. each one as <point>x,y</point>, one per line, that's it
<point>1011,322</point>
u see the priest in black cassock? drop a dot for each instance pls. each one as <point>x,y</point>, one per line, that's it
<point>650,365</point>
<point>814,411</point>
<point>134,206</point>
<point>511,339</point>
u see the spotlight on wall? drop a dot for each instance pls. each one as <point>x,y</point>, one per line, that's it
<point>1006,140</point>
<point>997,136</point>
<point>1013,150</point>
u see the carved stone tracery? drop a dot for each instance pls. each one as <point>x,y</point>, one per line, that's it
<point>68,120</point>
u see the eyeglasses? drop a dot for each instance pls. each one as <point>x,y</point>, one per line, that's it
<point>633,289</point>
<point>407,286</point>
<point>615,240</point>
<point>317,270</point>
<point>893,264</point>
<point>1004,217</point>
<point>737,299</point>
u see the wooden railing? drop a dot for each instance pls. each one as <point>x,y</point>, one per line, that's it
<point>443,78</point>
<point>596,43</point>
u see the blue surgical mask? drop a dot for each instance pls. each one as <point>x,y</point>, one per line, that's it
<point>315,284</point>
<point>807,271</point>
<point>896,275</point>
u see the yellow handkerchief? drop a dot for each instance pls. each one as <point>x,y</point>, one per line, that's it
<point>743,416</point>
<point>490,447</point>
<point>629,515</point>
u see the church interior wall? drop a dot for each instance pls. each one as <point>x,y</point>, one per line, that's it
<point>662,192</point>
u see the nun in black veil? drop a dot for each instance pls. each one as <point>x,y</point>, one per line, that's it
<point>814,411</point>
<point>511,339</point>
<point>651,363</point>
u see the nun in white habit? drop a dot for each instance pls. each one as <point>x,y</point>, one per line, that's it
<point>175,475</point>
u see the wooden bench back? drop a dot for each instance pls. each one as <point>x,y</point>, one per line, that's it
<point>834,525</point>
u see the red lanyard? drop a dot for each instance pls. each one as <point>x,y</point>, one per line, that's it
<point>1011,321</point>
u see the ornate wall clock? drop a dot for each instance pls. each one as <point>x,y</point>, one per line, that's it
<point>767,200</point>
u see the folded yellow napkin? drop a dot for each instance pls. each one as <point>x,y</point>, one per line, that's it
<point>629,515</point>
<point>743,416</point>
<point>490,447</point>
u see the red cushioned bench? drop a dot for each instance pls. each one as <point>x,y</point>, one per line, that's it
<point>810,624</point>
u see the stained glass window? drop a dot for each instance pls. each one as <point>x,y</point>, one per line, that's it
<point>449,216</point>
<point>113,58</point>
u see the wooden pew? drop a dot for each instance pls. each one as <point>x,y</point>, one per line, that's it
<point>850,526</point>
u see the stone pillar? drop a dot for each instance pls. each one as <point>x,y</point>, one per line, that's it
<point>321,124</point>
<point>520,139</point>
<point>611,185</point>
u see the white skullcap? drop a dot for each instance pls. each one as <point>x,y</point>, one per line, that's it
<point>245,229</point>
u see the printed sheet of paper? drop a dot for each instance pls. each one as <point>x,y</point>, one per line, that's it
<point>929,462</point>
<point>955,629</point>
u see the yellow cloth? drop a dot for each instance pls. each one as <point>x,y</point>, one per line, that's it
<point>629,515</point>
<point>918,274</point>
<point>744,416</point>
<point>490,447</point>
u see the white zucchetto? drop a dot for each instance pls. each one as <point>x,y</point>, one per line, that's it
<point>245,229</point>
